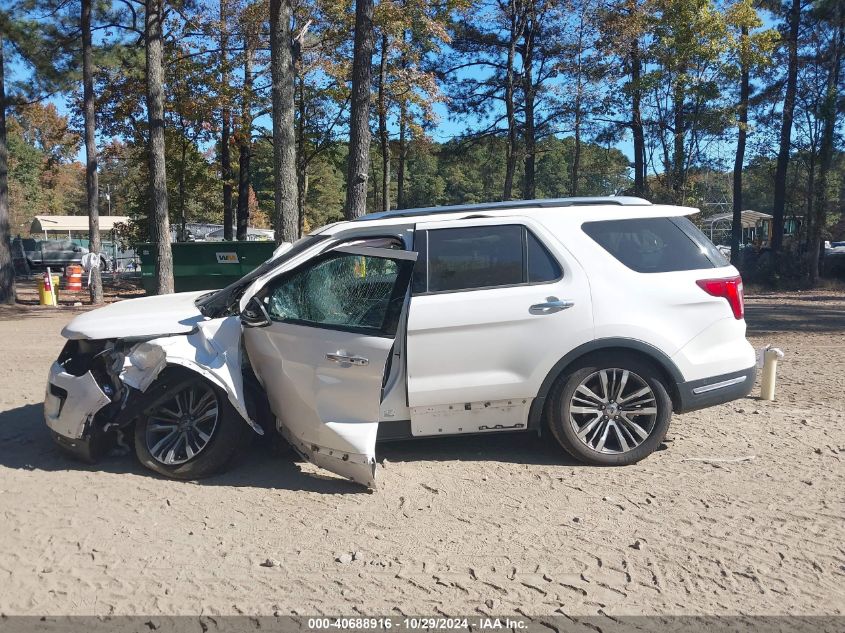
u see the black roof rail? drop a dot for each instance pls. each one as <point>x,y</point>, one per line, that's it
<point>507,205</point>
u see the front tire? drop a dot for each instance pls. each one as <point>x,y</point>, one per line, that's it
<point>192,434</point>
<point>610,410</point>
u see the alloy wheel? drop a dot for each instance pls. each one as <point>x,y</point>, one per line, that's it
<point>613,411</point>
<point>182,427</point>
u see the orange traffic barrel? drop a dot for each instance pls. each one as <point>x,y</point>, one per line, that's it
<point>73,277</point>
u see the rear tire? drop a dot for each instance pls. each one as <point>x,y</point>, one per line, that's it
<point>194,433</point>
<point>610,410</point>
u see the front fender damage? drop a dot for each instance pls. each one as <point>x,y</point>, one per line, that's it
<point>98,388</point>
<point>212,350</point>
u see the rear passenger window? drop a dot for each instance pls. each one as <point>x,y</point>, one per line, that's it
<point>474,257</point>
<point>468,258</point>
<point>655,245</point>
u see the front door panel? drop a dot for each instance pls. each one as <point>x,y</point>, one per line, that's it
<point>322,358</point>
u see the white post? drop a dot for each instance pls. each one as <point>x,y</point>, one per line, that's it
<point>771,356</point>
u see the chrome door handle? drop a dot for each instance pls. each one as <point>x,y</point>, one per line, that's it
<point>349,360</point>
<point>550,306</point>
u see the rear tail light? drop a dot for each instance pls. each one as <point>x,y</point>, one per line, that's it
<point>730,289</point>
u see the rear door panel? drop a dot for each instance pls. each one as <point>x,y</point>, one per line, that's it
<point>487,350</point>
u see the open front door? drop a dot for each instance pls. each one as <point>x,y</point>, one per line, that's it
<point>321,358</point>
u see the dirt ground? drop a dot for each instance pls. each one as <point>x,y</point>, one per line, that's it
<point>501,525</point>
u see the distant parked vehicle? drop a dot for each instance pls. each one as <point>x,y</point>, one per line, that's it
<point>41,254</point>
<point>834,248</point>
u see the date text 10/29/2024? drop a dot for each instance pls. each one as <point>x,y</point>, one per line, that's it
<point>416,624</point>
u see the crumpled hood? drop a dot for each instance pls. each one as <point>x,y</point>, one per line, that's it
<point>143,317</point>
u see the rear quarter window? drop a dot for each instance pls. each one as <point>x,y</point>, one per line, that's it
<point>656,245</point>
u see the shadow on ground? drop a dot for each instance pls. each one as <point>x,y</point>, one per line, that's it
<point>25,444</point>
<point>22,311</point>
<point>512,448</point>
<point>806,315</point>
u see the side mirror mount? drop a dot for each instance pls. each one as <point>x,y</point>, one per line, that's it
<point>255,314</point>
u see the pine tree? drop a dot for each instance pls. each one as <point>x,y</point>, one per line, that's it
<point>357,173</point>
<point>286,220</point>
<point>159,218</point>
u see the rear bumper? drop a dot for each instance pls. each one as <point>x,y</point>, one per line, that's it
<point>708,392</point>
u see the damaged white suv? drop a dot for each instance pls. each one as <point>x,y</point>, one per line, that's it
<point>594,318</point>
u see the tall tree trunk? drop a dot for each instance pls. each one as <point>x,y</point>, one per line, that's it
<point>810,215</point>
<point>226,174</point>
<point>244,160</point>
<point>637,121</point>
<point>403,140</point>
<point>403,156</point>
<point>829,114</point>
<point>226,115</point>
<point>384,139</point>
<point>7,268</point>
<point>739,159</point>
<point>302,193</point>
<point>357,173</point>
<point>510,107</point>
<point>516,28</point>
<point>286,221</point>
<point>92,186</point>
<point>678,152</point>
<point>528,91</point>
<point>245,140</point>
<point>159,219</point>
<point>576,150</point>
<point>301,157</point>
<point>779,205</point>
<point>183,160</point>
<point>576,153</point>
<point>376,189</point>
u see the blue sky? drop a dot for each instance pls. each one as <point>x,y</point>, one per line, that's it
<point>447,128</point>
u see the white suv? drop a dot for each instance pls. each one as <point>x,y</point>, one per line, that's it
<point>592,318</point>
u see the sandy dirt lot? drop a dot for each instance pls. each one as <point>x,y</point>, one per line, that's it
<point>499,525</point>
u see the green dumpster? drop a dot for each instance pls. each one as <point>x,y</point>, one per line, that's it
<point>205,265</point>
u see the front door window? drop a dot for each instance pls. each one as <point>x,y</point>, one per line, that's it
<point>343,291</point>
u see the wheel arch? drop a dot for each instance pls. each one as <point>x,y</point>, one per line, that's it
<point>229,437</point>
<point>671,374</point>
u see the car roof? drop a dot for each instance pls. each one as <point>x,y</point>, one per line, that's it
<point>576,210</point>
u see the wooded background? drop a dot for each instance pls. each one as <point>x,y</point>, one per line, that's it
<point>293,113</point>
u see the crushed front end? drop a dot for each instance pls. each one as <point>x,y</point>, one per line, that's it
<point>84,396</point>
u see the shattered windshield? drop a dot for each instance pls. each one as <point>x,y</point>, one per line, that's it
<point>219,303</point>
